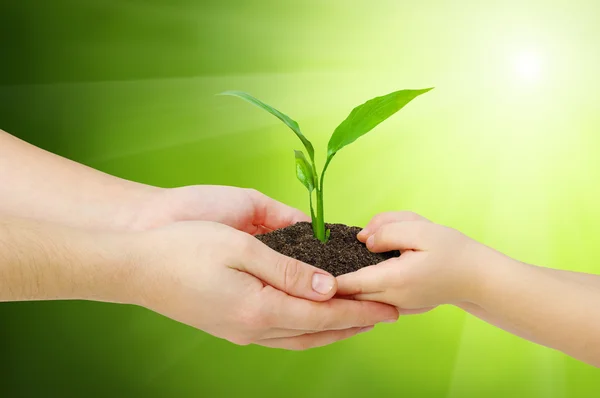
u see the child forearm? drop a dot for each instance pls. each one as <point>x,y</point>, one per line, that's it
<point>558,309</point>
<point>590,280</point>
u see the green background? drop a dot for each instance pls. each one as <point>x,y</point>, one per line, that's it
<point>505,149</point>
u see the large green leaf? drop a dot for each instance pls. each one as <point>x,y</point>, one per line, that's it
<point>292,124</point>
<point>367,116</point>
<point>304,171</point>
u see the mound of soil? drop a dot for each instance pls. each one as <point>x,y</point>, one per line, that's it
<point>342,254</point>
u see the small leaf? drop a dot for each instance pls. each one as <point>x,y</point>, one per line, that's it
<point>327,234</point>
<point>367,116</point>
<point>292,124</point>
<point>304,171</point>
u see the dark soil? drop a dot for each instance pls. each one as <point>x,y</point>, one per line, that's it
<point>342,254</point>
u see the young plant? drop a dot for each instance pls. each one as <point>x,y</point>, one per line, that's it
<point>361,120</point>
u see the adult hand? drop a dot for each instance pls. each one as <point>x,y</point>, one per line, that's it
<point>40,185</point>
<point>229,284</point>
<point>244,209</point>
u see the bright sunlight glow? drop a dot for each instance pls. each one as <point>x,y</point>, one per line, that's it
<point>528,66</point>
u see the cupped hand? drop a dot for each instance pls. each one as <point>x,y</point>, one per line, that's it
<point>229,284</point>
<point>244,209</point>
<point>434,267</point>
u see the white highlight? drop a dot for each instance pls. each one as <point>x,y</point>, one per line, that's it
<point>528,66</point>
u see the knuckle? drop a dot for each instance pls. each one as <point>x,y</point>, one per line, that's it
<point>409,216</point>
<point>385,233</point>
<point>383,218</point>
<point>396,216</point>
<point>290,271</point>
<point>380,218</point>
<point>421,231</point>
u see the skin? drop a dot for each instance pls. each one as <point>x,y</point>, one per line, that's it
<point>43,186</point>
<point>440,265</point>
<point>70,232</point>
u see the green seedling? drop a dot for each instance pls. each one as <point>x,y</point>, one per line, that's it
<point>361,120</point>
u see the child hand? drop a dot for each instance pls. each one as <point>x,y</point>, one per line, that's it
<point>438,264</point>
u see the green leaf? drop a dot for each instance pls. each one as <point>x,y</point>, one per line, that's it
<point>327,235</point>
<point>304,171</point>
<point>292,124</point>
<point>367,116</point>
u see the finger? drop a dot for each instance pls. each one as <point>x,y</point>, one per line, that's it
<point>368,280</point>
<point>286,274</point>
<point>283,333</point>
<point>401,311</point>
<point>313,340</point>
<point>404,235</point>
<point>273,214</point>
<point>387,218</point>
<point>335,314</point>
<point>382,297</point>
<point>415,311</point>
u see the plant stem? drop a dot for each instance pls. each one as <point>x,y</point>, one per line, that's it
<point>315,220</point>
<point>312,214</point>
<point>320,228</point>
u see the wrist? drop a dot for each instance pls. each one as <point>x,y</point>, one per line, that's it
<point>48,261</point>
<point>138,206</point>
<point>141,266</point>
<point>113,272</point>
<point>462,261</point>
<point>490,269</point>
<point>99,266</point>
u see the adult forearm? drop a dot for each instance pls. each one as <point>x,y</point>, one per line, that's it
<point>40,185</point>
<point>543,306</point>
<point>43,261</point>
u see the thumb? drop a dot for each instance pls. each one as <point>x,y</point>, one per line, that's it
<point>289,275</point>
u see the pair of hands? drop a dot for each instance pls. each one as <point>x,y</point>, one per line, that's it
<point>188,253</point>
<point>215,276</point>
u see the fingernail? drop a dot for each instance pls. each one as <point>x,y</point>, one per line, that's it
<point>322,283</point>
<point>371,241</point>
<point>391,321</point>
<point>364,232</point>
<point>365,329</point>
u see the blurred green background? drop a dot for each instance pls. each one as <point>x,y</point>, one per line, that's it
<point>505,149</point>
